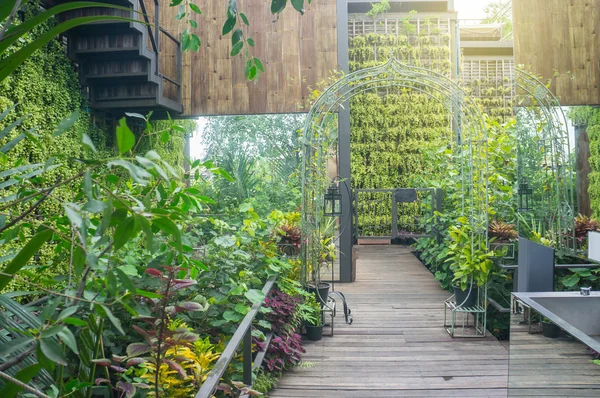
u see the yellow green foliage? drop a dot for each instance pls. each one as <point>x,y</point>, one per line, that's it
<point>195,362</point>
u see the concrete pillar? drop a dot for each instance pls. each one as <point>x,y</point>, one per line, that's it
<point>344,150</point>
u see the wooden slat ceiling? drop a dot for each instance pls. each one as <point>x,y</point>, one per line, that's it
<point>562,36</point>
<point>297,51</point>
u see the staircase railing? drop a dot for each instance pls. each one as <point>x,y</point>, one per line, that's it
<point>154,34</point>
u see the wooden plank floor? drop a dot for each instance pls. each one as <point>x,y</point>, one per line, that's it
<point>396,346</point>
<point>547,367</point>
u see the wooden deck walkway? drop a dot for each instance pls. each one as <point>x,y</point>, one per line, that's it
<point>396,346</point>
<point>546,367</point>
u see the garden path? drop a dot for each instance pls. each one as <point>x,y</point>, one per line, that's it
<point>396,346</point>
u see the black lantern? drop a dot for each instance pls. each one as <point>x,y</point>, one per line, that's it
<point>525,195</point>
<point>333,201</point>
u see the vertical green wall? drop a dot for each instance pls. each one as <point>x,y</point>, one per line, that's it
<point>391,130</point>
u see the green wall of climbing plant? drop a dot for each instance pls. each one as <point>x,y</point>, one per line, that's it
<point>44,90</point>
<point>391,131</point>
<point>585,115</point>
<point>594,137</point>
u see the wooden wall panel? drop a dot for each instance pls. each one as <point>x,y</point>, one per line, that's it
<point>297,51</point>
<point>563,36</point>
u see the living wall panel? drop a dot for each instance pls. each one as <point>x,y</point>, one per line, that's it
<point>392,130</point>
<point>561,35</point>
<point>297,51</point>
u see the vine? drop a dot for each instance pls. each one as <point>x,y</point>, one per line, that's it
<point>391,130</point>
<point>43,91</point>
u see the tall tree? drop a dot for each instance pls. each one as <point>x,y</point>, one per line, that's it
<point>272,138</point>
<point>500,11</point>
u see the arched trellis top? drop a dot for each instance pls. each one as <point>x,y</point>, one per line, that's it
<point>468,125</point>
<point>544,159</point>
<point>533,101</point>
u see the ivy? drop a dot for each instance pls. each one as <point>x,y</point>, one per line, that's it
<point>45,90</point>
<point>390,132</point>
<point>589,116</point>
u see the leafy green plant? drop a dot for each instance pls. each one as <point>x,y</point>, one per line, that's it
<point>265,381</point>
<point>312,309</point>
<point>469,257</point>
<point>533,230</point>
<point>378,9</point>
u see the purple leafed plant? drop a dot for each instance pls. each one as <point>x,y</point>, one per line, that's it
<point>285,348</point>
<point>283,311</point>
<point>284,351</point>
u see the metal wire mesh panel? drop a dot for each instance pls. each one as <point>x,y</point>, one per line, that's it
<point>413,216</point>
<point>545,166</point>
<point>374,211</point>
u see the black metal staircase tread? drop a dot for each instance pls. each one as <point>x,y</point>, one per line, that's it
<point>139,104</point>
<point>106,50</point>
<point>93,28</point>
<point>124,75</point>
<point>113,53</point>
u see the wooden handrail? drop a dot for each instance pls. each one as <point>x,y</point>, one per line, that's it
<point>242,333</point>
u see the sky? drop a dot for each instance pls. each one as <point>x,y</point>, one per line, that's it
<point>470,9</point>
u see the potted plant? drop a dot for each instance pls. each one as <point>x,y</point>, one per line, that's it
<point>327,253</point>
<point>470,261</point>
<point>313,319</point>
<point>549,329</point>
<point>502,232</point>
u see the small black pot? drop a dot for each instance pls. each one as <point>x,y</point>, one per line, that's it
<point>320,292</point>
<point>314,333</point>
<point>550,330</point>
<point>466,298</point>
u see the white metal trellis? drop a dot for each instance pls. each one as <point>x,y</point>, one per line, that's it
<point>470,130</point>
<point>541,122</point>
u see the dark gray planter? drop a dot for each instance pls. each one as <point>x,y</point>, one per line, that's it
<point>467,298</point>
<point>314,333</point>
<point>321,292</point>
<point>550,330</point>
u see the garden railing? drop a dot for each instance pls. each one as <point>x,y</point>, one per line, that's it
<point>242,333</point>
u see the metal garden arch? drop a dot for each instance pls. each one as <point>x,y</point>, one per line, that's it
<point>470,135</point>
<point>544,159</point>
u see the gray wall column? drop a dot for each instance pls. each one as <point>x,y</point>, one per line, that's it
<point>582,149</point>
<point>344,149</point>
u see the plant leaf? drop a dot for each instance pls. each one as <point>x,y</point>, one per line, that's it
<point>124,232</point>
<point>137,349</point>
<point>125,138</point>
<point>167,226</point>
<point>229,25</point>
<point>21,259</point>
<point>104,310</point>
<point>67,123</point>
<point>68,338</point>
<point>255,296</point>
<point>277,6</point>
<point>298,5</point>
<point>52,351</point>
<point>14,345</point>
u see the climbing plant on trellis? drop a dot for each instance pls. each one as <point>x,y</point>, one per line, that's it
<point>319,145</point>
